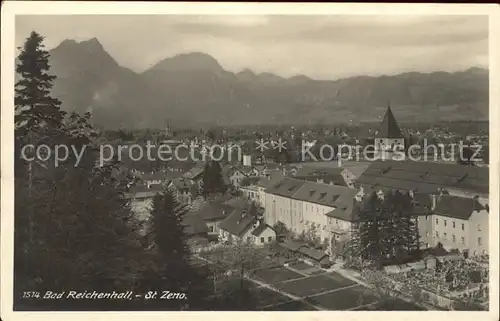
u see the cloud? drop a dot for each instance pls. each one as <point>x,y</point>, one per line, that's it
<point>319,46</point>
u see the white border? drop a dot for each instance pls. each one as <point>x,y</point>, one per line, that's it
<point>11,8</point>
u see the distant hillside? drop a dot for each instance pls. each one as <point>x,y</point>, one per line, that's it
<point>194,89</point>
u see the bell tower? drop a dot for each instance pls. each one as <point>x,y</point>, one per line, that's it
<point>389,138</point>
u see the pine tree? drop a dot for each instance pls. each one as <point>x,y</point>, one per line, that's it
<point>35,107</point>
<point>168,234</point>
<point>169,241</point>
<point>213,182</point>
<point>73,227</point>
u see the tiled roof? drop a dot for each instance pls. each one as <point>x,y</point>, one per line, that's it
<point>236,202</point>
<point>194,224</point>
<point>292,245</point>
<point>345,212</point>
<point>425,177</point>
<point>389,127</point>
<point>312,253</point>
<point>320,171</point>
<point>286,187</point>
<point>457,207</point>
<point>261,228</point>
<point>266,182</point>
<point>328,175</point>
<point>210,212</point>
<point>238,222</point>
<point>328,195</point>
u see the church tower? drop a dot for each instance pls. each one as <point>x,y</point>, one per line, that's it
<point>389,137</point>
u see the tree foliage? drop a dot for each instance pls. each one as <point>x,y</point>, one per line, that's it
<point>213,182</point>
<point>385,230</point>
<point>74,228</point>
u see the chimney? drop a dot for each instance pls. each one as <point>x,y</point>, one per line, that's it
<point>435,199</point>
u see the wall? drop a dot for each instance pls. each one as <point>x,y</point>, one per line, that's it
<point>479,228</point>
<point>424,223</point>
<point>315,214</point>
<point>383,146</point>
<point>285,210</point>
<point>213,226</point>
<point>458,231</point>
<point>266,234</point>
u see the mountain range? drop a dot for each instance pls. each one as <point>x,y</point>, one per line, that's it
<point>193,89</point>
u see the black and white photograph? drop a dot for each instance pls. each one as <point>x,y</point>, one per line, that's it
<point>249,161</point>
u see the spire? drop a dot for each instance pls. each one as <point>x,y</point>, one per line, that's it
<point>389,127</point>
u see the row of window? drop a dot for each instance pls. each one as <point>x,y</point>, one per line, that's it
<point>445,223</point>
<point>262,239</point>
<point>453,238</point>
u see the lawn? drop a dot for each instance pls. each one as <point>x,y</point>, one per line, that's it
<point>313,285</point>
<point>276,275</point>
<point>267,297</point>
<point>343,299</point>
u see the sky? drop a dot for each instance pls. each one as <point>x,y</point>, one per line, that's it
<point>318,46</point>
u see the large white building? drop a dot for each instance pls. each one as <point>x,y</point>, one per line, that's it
<point>310,208</point>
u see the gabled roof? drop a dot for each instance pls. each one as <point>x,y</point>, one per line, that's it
<point>210,211</point>
<point>293,245</point>
<point>313,254</point>
<point>261,228</point>
<point>457,207</point>
<point>194,224</point>
<point>389,127</point>
<point>238,222</point>
<point>425,177</point>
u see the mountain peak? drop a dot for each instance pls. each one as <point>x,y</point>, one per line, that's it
<point>192,61</point>
<point>246,74</point>
<point>299,79</point>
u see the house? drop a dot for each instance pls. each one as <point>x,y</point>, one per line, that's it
<point>238,173</point>
<point>251,192</point>
<point>212,213</point>
<point>314,256</point>
<point>185,190</point>
<point>195,174</point>
<point>158,178</point>
<point>241,226</point>
<point>194,225</point>
<point>141,199</point>
<point>460,223</point>
<point>263,233</point>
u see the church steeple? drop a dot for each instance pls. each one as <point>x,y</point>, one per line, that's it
<point>389,127</point>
